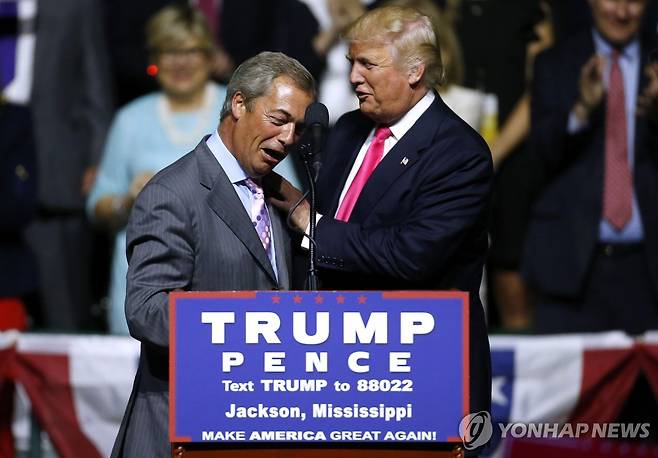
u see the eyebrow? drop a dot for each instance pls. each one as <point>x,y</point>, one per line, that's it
<point>281,111</point>
<point>372,60</point>
<point>289,117</point>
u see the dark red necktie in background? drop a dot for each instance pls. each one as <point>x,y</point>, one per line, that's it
<point>618,182</point>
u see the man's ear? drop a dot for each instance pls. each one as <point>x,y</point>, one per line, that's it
<point>416,73</point>
<point>238,105</point>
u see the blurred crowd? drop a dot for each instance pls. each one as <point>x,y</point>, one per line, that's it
<point>98,95</point>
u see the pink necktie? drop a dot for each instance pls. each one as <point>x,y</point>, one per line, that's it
<point>373,156</point>
<point>617,186</point>
<point>259,216</point>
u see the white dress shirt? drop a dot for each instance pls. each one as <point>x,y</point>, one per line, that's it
<point>237,175</point>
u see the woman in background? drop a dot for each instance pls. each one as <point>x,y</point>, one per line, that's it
<point>155,130</point>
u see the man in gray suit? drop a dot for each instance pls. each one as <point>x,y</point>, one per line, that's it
<point>201,224</point>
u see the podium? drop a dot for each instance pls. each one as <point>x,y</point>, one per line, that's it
<point>319,374</point>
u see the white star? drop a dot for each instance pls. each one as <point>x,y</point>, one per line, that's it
<point>497,395</point>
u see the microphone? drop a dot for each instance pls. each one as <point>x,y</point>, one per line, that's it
<point>317,120</point>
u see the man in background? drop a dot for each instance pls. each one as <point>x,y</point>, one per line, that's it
<point>56,64</point>
<point>591,251</point>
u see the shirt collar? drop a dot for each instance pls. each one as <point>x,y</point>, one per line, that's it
<point>228,162</point>
<point>410,117</point>
<point>631,51</point>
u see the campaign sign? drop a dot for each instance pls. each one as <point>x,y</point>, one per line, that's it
<point>318,366</point>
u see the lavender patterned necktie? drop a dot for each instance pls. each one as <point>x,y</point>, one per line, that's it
<point>259,215</point>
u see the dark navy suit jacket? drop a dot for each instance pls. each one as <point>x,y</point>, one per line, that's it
<point>564,228</point>
<point>18,200</point>
<point>420,221</point>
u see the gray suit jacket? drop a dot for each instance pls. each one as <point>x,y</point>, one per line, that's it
<point>188,231</point>
<point>71,97</point>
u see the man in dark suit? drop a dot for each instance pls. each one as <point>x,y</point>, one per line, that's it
<point>60,70</point>
<point>591,250</point>
<point>201,224</point>
<point>404,186</point>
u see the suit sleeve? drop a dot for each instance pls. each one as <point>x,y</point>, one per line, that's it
<point>161,259</point>
<point>450,204</point>
<point>554,92</point>
<point>97,89</point>
<point>18,169</point>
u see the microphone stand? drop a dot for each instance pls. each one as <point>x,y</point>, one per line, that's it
<point>307,156</point>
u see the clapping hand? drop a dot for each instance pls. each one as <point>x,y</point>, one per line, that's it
<point>590,85</point>
<point>647,99</point>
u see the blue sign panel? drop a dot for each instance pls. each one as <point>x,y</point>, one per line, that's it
<point>318,366</point>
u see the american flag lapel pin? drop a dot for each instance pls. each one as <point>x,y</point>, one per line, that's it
<point>404,161</point>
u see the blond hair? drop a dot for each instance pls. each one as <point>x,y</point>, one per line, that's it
<point>410,35</point>
<point>175,24</point>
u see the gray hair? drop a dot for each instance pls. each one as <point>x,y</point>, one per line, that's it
<point>255,75</point>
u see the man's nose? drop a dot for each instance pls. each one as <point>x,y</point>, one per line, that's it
<point>622,10</point>
<point>287,135</point>
<point>355,75</point>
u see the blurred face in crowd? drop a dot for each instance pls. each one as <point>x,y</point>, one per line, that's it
<point>382,85</point>
<point>266,127</point>
<point>184,69</point>
<point>618,21</point>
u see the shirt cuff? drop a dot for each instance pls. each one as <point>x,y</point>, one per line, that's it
<point>575,125</point>
<point>305,240</point>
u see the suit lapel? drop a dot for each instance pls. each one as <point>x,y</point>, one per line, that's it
<point>644,162</point>
<point>283,255</point>
<point>593,193</point>
<point>641,121</point>
<point>226,204</point>
<point>399,159</point>
<point>343,178</point>
<point>341,164</point>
